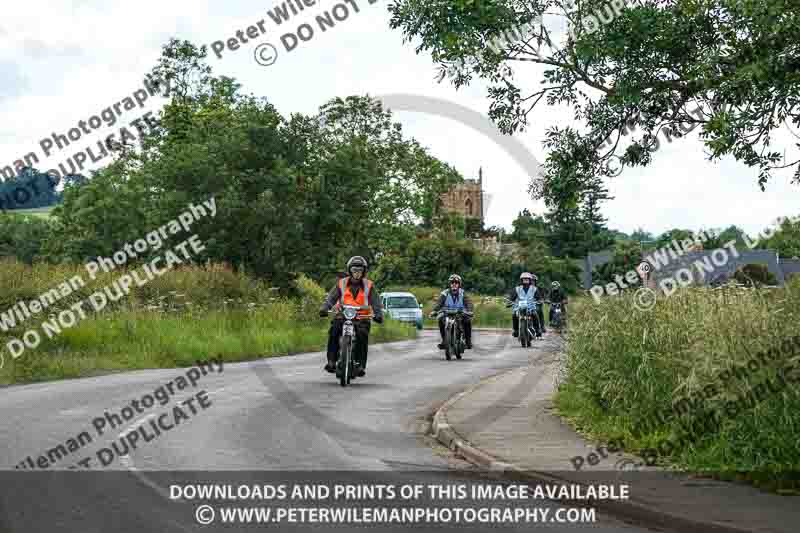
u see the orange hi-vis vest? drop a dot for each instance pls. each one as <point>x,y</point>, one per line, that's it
<point>361,298</point>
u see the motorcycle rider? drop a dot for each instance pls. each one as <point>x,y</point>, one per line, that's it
<point>455,298</point>
<point>558,296</point>
<point>526,289</point>
<point>354,289</point>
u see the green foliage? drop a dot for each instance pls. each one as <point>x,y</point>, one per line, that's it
<point>28,190</point>
<point>626,366</point>
<point>473,227</point>
<point>786,241</point>
<point>640,235</point>
<point>431,261</point>
<point>627,256</point>
<point>184,315</point>
<point>23,236</point>
<point>731,233</point>
<point>677,235</point>
<point>656,69</point>
<point>754,275</point>
<point>296,194</point>
<point>311,296</point>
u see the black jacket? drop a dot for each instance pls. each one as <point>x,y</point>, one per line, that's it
<point>335,295</point>
<point>558,296</point>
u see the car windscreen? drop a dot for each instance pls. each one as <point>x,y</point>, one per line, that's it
<point>400,302</point>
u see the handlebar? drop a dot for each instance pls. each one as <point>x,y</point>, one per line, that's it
<point>450,312</point>
<point>356,307</point>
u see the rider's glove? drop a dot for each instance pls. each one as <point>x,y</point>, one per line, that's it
<point>323,313</point>
<point>378,319</point>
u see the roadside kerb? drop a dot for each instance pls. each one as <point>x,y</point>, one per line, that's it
<point>630,509</point>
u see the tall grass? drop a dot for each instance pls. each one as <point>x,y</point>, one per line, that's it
<point>626,366</point>
<point>187,314</point>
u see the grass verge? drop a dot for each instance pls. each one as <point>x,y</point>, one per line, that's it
<point>172,321</point>
<point>651,379</point>
<point>135,340</point>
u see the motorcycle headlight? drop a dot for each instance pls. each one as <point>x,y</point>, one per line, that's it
<point>349,313</point>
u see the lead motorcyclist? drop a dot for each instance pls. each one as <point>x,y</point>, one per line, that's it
<point>527,288</point>
<point>354,289</point>
<point>455,298</point>
<point>558,296</point>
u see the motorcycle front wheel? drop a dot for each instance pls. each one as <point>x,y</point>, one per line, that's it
<point>449,348</point>
<point>347,349</point>
<point>523,332</point>
<point>459,343</point>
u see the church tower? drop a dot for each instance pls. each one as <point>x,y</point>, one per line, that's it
<point>466,198</point>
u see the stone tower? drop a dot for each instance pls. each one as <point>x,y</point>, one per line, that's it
<point>466,198</point>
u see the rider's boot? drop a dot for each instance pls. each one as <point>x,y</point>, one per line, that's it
<point>469,344</point>
<point>330,366</point>
<point>441,346</point>
<point>359,370</point>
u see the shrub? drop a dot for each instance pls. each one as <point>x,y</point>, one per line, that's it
<point>754,274</point>
<point>311,296</point>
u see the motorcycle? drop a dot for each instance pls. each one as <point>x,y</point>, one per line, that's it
<point>345,365</point>
<point>528,325</point>
<point>454,340</point>
<point>557,319</point>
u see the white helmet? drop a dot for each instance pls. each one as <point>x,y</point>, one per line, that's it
<point>525,275</point>
<point>556,284</point>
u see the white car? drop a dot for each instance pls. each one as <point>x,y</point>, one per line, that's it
<point>402,306</point>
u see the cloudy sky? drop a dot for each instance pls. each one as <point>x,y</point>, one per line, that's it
<point>62,61</point>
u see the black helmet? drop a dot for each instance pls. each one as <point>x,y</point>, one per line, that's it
<point>357,260</point>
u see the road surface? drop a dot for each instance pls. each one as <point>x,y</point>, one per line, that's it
<point>272,421</point>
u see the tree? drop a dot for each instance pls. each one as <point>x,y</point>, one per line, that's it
<point>754,275</point>
<point>528,229</point>
<point>28,190</point>
<point>721,238</point>
<point>677,235</point>
<point>640,235</point>
<point>296,194</point>
<point>473,227</point>
<point>627,256</point>
<point>786,241</point>
<point>23,236</point>
<point>659,68</point>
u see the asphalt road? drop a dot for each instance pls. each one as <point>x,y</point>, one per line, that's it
<point>278,420</point>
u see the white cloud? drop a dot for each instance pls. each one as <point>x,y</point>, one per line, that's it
<point>77,57</point>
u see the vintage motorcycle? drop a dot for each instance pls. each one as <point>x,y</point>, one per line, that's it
<point>529,326</point>
<point>345,366</point>
<point>557,320</point>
